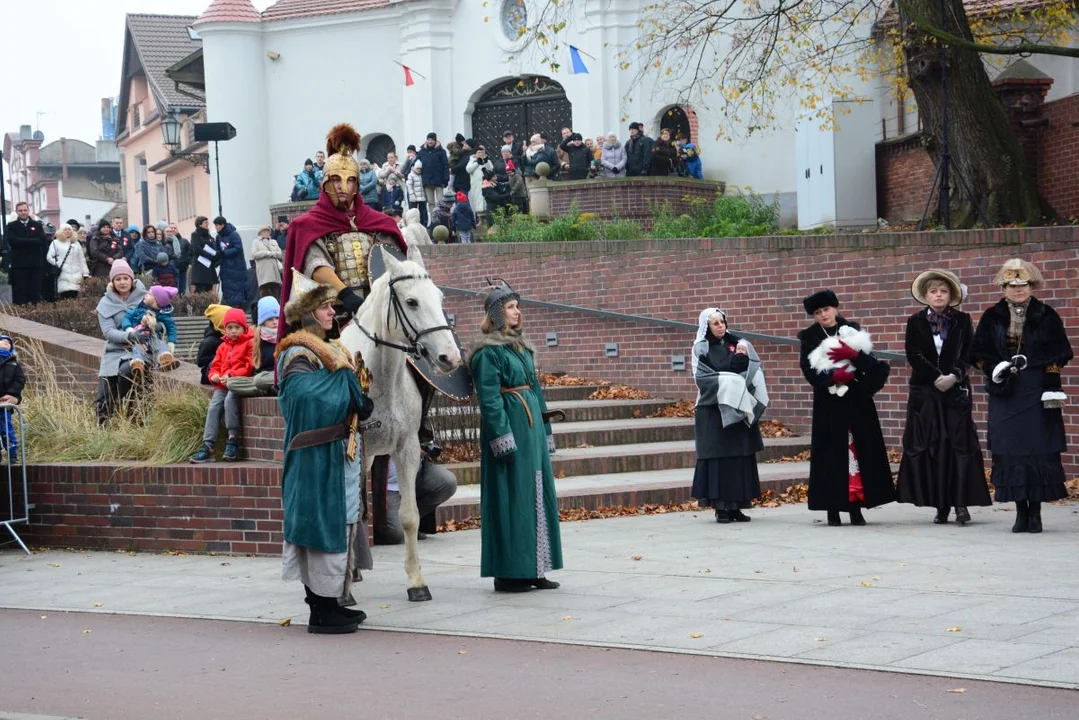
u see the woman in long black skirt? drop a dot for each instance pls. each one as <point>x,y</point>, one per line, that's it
<point>1021,346</point>
<point>942,461</point>
<point>731,398</point>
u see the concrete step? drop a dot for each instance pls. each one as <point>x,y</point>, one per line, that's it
<point>576,410</point>
<point>630,489</point>
<point>559,393</point>
<point>622,432</point>
<point>631,458</point>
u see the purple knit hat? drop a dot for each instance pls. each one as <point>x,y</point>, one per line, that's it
<point>163,295</point>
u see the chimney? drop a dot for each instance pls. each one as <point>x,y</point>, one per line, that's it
<point>63,158</point>
<point>25,132</point>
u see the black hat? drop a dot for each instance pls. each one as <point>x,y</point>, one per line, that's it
<point>411,148</point>
<point>308,161</point>
<point>471,142</point>
<point>220,220</point>
<point>459,137</point>
<point>508,132</point>
<point>634,126</point>
<point>432,136</point>
<point>818,300</point>
<point>75,225</point>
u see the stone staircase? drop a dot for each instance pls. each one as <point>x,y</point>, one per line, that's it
<point>609,452</point>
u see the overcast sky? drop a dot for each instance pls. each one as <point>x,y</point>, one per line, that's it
<point>66,57</point>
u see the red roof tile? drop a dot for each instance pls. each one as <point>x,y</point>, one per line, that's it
<point>289,9</point>
<point>230,11</point>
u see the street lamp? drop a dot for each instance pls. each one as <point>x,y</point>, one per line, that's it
<point>170,128</point>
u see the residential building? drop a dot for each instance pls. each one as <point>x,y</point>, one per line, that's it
<point>161,182</point>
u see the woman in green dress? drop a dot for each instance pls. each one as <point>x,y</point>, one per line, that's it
<point>520,535</point>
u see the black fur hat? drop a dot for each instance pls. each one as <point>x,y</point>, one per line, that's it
<point>818,300</point>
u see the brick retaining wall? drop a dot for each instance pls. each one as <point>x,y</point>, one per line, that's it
<point>760,282</point>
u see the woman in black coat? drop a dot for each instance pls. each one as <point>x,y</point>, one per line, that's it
<point>1021,346</point>
<point>726,472</point>
<point>206,256</point>
<point>942,460</point>
<point>848,468</point>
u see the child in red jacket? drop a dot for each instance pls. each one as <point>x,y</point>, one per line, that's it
<point>233,359</point>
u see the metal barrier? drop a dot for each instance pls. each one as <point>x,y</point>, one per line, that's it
<point>658,322</point>
<point>12,436</point>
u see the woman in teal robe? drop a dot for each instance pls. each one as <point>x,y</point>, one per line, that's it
<point>325,541</point>
<point>519,531</point>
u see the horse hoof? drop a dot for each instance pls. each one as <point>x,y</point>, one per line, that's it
<point>419,594</point>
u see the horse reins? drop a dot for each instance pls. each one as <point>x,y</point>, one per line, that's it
<point>411,333</point>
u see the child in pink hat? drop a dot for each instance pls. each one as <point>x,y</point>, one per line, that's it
<point>152,318</point>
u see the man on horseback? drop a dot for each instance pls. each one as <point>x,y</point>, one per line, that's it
<point>331,242</point>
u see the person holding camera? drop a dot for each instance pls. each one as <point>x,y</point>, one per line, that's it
<point>1021,346</point>
<point>942,460</point>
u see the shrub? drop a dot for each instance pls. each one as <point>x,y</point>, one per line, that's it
<point>161,426</point>
<point>511,226</point>
<point>79,315</point>
<point>737,215</point>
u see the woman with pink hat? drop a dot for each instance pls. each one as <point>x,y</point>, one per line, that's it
<point>115,382</point>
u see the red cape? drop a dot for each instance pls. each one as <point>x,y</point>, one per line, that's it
<point>320,221</point>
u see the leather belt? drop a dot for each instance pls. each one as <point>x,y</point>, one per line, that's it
<point>320,436</point>
<point>516,392</point>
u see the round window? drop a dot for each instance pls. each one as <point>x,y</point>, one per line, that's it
<point>514,18</point>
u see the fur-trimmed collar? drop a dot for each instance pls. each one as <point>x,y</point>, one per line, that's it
<point>331,353</point>
<point>498,339</point>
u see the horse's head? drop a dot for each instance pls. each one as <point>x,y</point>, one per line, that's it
<point>413,313</point>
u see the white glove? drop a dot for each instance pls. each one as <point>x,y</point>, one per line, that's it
<point>1052,399</point>
<point>1002,369</point>
<point>172,348</point>
<point>944,383</point>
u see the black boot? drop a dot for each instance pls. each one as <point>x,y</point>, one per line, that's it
<point>512,585</point>
<point>735,513</point>
<point>1035,517</point>
<point>942,516</point>
<point>834,519</point>
<point>329,618</point>
<point>722,516</point>
<point>1022,517</point>
<point>962,515</point>
<point>856,516</point>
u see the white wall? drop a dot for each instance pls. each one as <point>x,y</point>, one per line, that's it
<point>79,208</point>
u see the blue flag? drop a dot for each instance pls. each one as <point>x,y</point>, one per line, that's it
<point>576,61</point>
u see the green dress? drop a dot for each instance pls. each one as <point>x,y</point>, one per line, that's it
<point>518,504</point>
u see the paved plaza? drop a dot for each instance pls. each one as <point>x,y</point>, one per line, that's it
<point>900,595</point>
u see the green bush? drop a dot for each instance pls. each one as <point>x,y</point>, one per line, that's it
<point>736,215</point>
<point>511,226</point>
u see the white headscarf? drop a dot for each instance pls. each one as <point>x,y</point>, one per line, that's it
<point>702,322</point>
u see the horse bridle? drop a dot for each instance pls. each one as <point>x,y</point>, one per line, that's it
<point>411,333</point>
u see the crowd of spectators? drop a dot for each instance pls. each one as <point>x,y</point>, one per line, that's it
<point>459,185</point>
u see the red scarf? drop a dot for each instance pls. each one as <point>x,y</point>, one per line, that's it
<point>318,222</point>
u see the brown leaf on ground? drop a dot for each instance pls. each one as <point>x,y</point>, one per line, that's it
<point>560,475</point>
<point>455,525</point>
<point>894,456</point>
<point>682,408</point>
<point>286,622</point>
<point>1073,488</point>
<point>619,392</point>
<point>802,456</point>
<point>793,495</point>
<point>457,452</point>
<point>775,429</point>
<point>563,380</point>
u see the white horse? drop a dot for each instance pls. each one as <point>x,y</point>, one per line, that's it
<point>402,314</point>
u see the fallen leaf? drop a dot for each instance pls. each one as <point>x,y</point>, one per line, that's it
<point>86,631</point>
<point>705,570</point>
<point>286,622</point>
<point>462,652</point>
<point>819,639</point>
<point>383,606</point>
<point>759,572</point>
<point>44,616</point>
<point>866,583</point>
<point>635,557</point>
<point>97,604</point>
<point>55,565</point>
<point>696,635</point>
<point>760,717</point>
<point>874,578</point>
<point>955,629</point>
<point>225,564</point>
<point>957,690</point>
<point>620,392</point>
<point>566,617</point>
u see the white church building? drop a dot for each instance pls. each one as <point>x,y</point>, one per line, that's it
<point>284,76</point>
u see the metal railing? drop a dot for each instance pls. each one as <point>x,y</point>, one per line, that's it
<point>656,322</point>
<point>12,437</point>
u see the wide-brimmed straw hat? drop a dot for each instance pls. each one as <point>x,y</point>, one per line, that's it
<point>1019,272</point>
<point>917,288</point>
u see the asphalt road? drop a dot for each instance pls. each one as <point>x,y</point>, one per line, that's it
<point>114,667</point>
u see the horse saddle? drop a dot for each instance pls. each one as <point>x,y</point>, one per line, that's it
<point>458,384</point>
